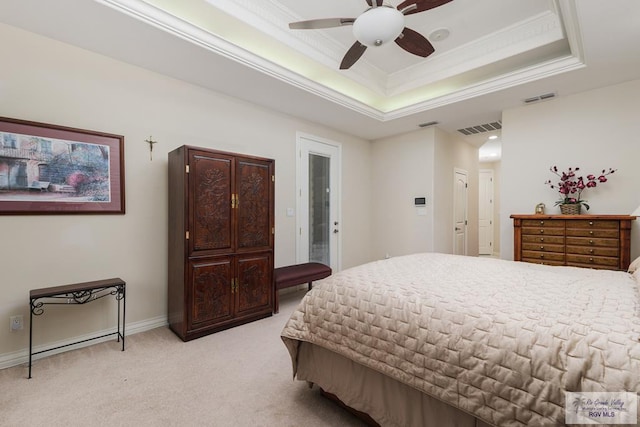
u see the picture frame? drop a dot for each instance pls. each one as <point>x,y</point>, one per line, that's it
<point>51,169</point>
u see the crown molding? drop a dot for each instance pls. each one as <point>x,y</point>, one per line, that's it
<point>524,36</point>
<point>505,81</point>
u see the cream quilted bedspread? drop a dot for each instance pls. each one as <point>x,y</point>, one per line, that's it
<point>498,339</point>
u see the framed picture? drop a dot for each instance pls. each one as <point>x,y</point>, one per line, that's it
<point>49,169</point>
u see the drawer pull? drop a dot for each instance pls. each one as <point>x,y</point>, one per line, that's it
<point>591,232</point>
<point>591,242</point>
<point>541,231</point>
<point>542,248</point>
<point>590,251</point>
<point>541,256</point>
<point>542,239</point>
<point>541,222</point>
<point>590,259</point>
<point>590,222</point>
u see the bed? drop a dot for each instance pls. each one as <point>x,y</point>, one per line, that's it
<point>437,339</point>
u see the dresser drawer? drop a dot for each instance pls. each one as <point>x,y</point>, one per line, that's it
<point>599,232</point>
<point>554,240</point>
<point>543,261</point>
<point>594,250</point>
<point>586,260</point>
<point>542,223</point>
<point>550,231</point>
<point>593,266</point>
<point>542,247</point>
<point>542,256</point>
<point>589,242</point>
<point>592,224</point>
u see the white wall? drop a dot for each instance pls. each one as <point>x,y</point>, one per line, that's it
<point>402,169</point>
<point>46,81</point>
<point>592,130</point>
<point>417,164</point>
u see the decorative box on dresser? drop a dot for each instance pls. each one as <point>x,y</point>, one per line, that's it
<point>592,241</point>
<point>221,237</point>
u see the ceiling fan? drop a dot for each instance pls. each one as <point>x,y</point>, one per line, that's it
<point>378,25</point>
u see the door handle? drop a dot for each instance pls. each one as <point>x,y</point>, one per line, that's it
<point>458,228</point>
<point>335,230</point>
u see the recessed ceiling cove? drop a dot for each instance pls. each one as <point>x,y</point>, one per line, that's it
<point>490,45</point>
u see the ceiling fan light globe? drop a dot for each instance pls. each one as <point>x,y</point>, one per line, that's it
<point>378,26</point>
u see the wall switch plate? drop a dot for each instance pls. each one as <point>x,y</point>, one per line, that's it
<point>15,323</point>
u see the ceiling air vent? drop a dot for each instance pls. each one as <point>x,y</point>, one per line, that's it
<point>487,127</point>
<point>424,125</point>
<point>539,98</point>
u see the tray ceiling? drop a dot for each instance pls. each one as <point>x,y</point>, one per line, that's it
<point>498,53</point>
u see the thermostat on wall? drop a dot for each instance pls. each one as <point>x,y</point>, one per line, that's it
<point>420,201</point>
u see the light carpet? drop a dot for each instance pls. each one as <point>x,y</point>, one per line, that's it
<point>238,377</point>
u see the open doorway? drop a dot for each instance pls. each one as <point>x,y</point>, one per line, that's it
<point>489,156</point>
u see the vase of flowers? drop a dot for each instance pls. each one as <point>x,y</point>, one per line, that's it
<point>571,186</point>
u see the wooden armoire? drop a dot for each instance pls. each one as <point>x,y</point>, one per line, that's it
<point>221,235</point>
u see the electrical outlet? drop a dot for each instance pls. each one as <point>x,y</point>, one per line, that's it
<point>15,323</point>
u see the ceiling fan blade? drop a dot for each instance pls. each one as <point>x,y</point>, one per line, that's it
<point>315,24</point>
<point>414,42</point>
<point>378,3</point>
<point>353,54</point>
<point>409,7</point>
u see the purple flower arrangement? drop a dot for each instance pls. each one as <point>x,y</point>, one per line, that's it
<point>571,185</point>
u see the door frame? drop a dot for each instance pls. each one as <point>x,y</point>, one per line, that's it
<point>302,182</point>
<point>457,171</point>
<point>490,173</point>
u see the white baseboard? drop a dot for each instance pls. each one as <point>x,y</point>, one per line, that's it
<point>19,357</point>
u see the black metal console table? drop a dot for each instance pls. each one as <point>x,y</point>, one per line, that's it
<point>78,293</point>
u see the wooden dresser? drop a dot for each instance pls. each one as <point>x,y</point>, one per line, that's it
<point>592,241</point>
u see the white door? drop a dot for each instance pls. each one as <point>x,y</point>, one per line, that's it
<point>460,212</point>
<point>485,212</point>
<point>318,204</point>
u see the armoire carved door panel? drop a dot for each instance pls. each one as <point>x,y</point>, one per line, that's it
<point>254,282</point>
<point>211,294</point>
<point>253,185</point>
<point>211,210</point>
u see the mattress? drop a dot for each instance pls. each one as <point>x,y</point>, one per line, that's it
<point>497,339</point>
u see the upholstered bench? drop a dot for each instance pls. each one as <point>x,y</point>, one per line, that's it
<point>292,275</point>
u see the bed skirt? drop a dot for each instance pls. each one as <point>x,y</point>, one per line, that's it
<point>387,401</point>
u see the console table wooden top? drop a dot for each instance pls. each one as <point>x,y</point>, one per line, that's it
<point>586,217</point>
<point>76,287</point>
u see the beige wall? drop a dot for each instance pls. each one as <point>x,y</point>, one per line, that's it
<point>402,169</point>
<point>46,81</point>
<point>592,130</point>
